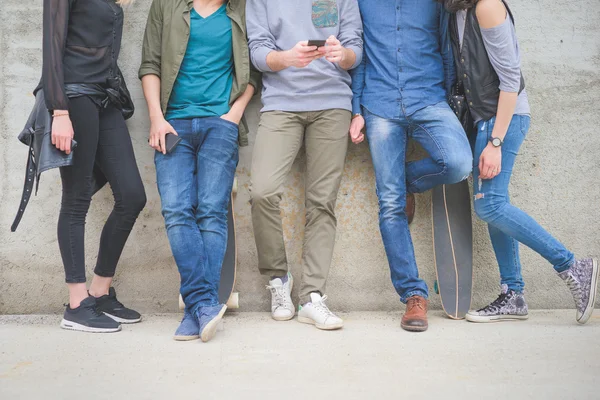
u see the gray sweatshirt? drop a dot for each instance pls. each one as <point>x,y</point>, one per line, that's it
<point>280,25</point>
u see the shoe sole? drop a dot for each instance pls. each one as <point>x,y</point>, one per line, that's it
<point>73,326</point>
<point>495,318</point>
<point>211,328</point>
<point>293,313</point>
<point>185,338</point>
<point>593,291</point>
<point>306,320</point>
<point>123,320</point>
<point>414,328</point>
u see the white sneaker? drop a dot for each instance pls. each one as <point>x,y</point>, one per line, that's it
<point>282,308</point>
<point>317,313</point>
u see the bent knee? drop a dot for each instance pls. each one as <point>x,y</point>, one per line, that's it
<point>264,192</point>
<point>458,169</point>
<point>487,209</point>
<point>133,203</point>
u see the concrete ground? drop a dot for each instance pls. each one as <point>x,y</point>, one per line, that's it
<point>254,357</point>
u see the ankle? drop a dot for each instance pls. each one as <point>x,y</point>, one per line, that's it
<point>100,286</point>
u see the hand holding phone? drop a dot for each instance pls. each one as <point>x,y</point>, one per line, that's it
<point>301,55</point>
<point>318,43</point>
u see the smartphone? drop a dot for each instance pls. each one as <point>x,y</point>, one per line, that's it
<point>171,141</point>
<point>318,43</point>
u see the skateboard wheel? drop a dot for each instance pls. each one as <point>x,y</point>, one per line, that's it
<point>436,287</point>
<point>181,303</point>
<point>234,301</point>
<point>234,189</point>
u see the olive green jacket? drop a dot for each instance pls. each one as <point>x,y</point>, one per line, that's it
<point>165,44</point>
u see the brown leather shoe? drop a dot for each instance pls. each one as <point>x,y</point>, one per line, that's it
<point>415,317</point>
<point>410,207</point>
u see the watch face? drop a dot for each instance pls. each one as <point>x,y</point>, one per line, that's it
<point>496,142</point>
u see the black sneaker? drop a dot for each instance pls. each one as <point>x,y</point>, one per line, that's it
<point>109,305</point>
<point>87,318</point>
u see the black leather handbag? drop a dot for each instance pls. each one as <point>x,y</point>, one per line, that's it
<point>458,104</point>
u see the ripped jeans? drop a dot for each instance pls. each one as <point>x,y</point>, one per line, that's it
<point>508,226</point>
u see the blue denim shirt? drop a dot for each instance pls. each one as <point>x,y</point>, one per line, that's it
<point>407,63</point>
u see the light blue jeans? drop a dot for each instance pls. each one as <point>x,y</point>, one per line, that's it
<point>194,183</point>
<point>437,129</point>
<point>507,224</point>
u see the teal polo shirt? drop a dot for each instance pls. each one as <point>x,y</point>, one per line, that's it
<point>203,85</point>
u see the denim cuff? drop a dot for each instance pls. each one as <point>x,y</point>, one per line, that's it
<point>404,298</point>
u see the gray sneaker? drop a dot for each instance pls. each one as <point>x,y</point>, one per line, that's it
<point>582,279</point>
<point>510,305</point>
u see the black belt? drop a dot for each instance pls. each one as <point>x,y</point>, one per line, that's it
<point>30,178</point>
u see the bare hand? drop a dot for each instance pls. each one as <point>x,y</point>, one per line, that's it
<point>231,116</point>
<point>490,162</point>
<point>357,129</point>
<point>301,55</point>
<point>334,51</point>
<point>62,133</point>
<point>159,127</point>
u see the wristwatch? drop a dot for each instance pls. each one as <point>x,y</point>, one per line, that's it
<point>496,142</point>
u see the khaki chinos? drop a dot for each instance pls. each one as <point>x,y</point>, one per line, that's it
<point>279,139</point>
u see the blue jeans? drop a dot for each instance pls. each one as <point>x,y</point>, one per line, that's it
<point>437,129</point>
<point>507,224</point>
<point>194,183</point>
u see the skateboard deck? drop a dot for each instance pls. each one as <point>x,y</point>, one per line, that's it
<point>228,270</point>
<point>453,247</point>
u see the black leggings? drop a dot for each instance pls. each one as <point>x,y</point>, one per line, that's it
<point>103,141</point>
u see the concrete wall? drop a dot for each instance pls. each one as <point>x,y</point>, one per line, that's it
<point>556,180</point>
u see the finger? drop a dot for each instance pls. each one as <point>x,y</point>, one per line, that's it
<point>480,166</point>
<point>361,138</point>
<point>162,144</point>
<point>53,139</point>
<point>307,49</point>
<point>62,143</point>
<point>172,130</point>
<point>68,145</point>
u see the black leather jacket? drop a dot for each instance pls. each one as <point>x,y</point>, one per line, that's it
<point>474,69</point>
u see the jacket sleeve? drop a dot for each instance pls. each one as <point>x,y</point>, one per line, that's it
<point>55,29</point>
<point>446,50</point>
<point>260,39</point>
<point>152,44</point>
<point>351,30</point>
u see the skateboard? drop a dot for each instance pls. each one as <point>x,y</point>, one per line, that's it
<point>453,247</point>
<point>227,295</point>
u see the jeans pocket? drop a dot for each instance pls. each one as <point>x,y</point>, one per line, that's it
<point>325,13</point>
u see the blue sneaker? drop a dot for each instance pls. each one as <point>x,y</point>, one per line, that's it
<point>208,319</point>
<point>188,329</point>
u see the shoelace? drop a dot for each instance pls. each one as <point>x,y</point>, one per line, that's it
<point>496,304</point>
<point>95,310</point>
<point>115,303</point>
<point>575,289</point>
<point>280,297</point>
<point>322,308</point>
<point>415,302</point>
